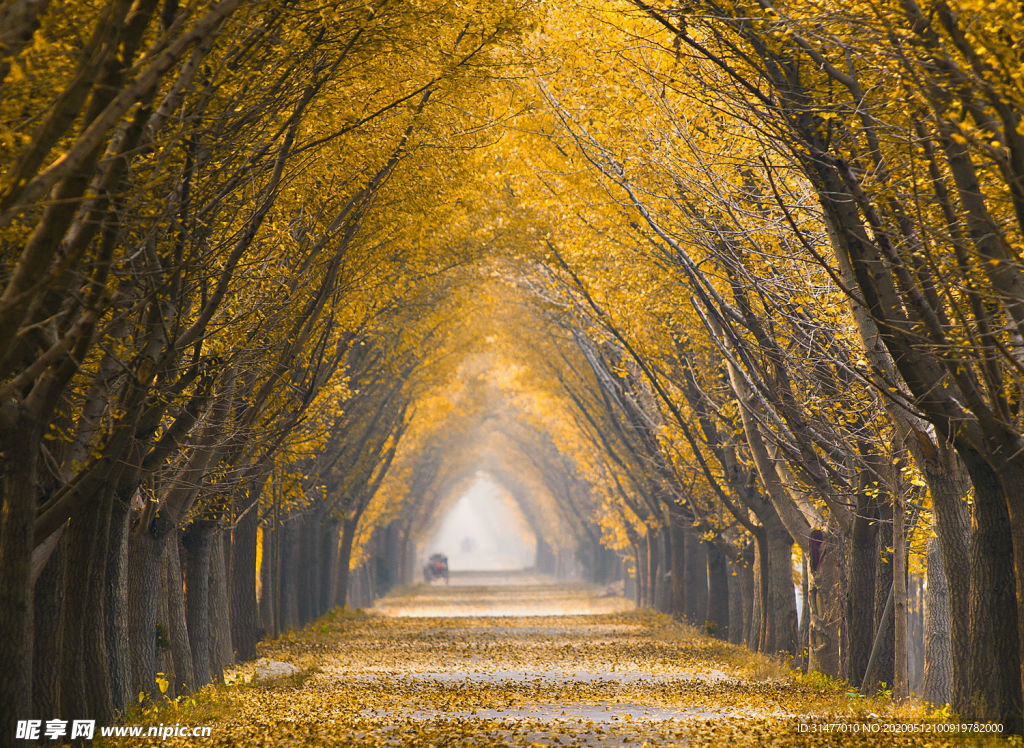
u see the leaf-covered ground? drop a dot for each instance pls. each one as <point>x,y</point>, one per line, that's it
<point>523,661</point>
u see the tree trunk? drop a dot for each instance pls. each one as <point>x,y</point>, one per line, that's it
<point>196,542</point>
<point>48,612</point>
<point>718,592</point>
<point>995,685</point>
<point>805,615</point>
<point>677,555</point>
<point>116,600</point>
<point>696,575</point>
<point>861,593</point>
<point>164,649</point>
<point>329,562</point>
<point>757,621</point>
<point>826,602</point>
<point>884,631</point>
<point>81,611</point>
<point>938,649</point>
<point>177,624</point>
<point>221,654</point>
<point>900,689</point>
<point>144,556</point>
<point>781,630</point>
<point>288,573</point>
<point>738,602</point>
<point>348,534</point>
<point>246,628</point>
<point>96,661</point>
<point>19,450</point>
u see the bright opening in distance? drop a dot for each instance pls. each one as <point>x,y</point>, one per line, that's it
<point>484,530</point>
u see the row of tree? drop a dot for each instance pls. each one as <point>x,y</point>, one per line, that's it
<point>219,295</point>
<point>788,243</point>
<point>733,292</point>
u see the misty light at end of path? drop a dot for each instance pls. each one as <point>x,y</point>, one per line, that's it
<point>484,530</point>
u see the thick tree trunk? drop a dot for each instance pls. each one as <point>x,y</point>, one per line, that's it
<point>781,629</point>
<point>19,455</point>
<point>1012,478</point>
<point>938,649</point>
<point>677,556</point>
<point>221,654</point>
<point>718,592</point>
<point>861,593</point>
<point>82,612</point>
<point>164,649</point>
<point>826,603</point>
<point>246,627</point>
<point>329,562</point>
<point>177,624</point>
<point>48,614</point>
<point>95,659</point>
<point>288,573</point>
<point>196,542</point>
<point>995,684</point>
<point>116,599</point>
<point>144,557</point>
<point>303,593</point>
<point>696,574</point>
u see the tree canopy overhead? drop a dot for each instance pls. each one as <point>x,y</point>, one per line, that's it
<point>731,293</point>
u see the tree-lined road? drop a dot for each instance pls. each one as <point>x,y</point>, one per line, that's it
<point>577,666</point>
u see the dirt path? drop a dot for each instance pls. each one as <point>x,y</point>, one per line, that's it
<point>465,665</point>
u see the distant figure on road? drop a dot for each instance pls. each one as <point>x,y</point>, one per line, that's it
<point>436,568</point>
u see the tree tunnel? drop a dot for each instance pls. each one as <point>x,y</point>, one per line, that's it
<point>717,296</point>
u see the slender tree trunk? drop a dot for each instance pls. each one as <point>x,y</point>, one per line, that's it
<point>652,557</point>
<point>900,673</point>
<point>938,649</point>
<point>805,615</point>
<point>757,622</point>
<point>884,625</point>
<point>738,602</point>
